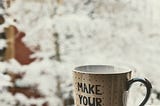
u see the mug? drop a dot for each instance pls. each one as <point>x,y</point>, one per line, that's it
<point>104,85</point>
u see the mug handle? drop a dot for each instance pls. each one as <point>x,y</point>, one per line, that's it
<point>147,85</point>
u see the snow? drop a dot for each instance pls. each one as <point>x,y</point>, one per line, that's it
<point>5,81</point>
<point>2,44</point>
<point>120,32</point>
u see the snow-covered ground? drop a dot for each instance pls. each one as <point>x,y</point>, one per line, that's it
<point>123,32</point>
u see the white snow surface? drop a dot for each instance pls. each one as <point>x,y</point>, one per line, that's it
<point>2,44</point>
<point>123,32</point>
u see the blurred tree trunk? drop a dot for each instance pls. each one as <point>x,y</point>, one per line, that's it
<point>57,47</point>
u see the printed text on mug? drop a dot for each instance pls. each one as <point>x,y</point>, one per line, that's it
<point>89,89</point>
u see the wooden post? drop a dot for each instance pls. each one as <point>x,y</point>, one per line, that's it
<point>10,36</point>
<point>60,1</point>
<point>7,3</point>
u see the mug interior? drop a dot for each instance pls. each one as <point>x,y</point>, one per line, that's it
<point>102,69</point>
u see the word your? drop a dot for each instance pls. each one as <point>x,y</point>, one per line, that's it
<point>89,89</point>
<point>90,101</point>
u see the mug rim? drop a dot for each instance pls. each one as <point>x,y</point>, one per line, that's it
<point>125,69</point>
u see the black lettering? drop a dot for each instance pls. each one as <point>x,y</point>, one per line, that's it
<point>98,101</point>
<point>97,90</point>
<point>85,88</point>
<point>80,98</point>
<point>91,103</point>
<point>91,89</point>
<point>85,100</point>
<point>79,86</point>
